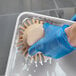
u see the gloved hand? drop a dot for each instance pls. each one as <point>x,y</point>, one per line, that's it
<point>54,44</point>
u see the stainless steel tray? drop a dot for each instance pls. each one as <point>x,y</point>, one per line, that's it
<point>16,61</point>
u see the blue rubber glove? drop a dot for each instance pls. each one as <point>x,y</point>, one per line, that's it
<point>73,18</point>
<point>54,44</point>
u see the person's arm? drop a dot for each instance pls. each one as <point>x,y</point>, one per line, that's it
<point>71,33</point>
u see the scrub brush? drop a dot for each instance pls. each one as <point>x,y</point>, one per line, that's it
<point>30,31</point>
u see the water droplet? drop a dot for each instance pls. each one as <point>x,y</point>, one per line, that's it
<point>35,62</point>
<point>31,60</point>
<point>24,67</point>
<point>46,59</point>
<point>48,73</point>
<point>36,65</point>
<point>34,70</point>
<point>27,69</point>
<point>41,62</point>
<point>29,75</point>
<point>50,59</point>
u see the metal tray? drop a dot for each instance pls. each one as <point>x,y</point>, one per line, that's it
<point>16,61</point>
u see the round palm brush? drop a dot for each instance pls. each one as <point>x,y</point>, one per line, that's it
<point>30,31</point>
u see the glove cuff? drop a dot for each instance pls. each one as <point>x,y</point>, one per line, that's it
<point>65,46</point>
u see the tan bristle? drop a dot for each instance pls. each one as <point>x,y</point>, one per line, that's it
<point>21,27</point>
<point>18,45</point>
<point>31,59</point>
<point>37,21</point>
<point>29,22</point>
<point>25,25</point>
<point>35,58</point>
<point>21,32</point>
<point>33,21</point>
<point>25,52</point>
<point>44,57</point>
<point>20,40</point>
<point>22,48</point>
<point>40,57</point>
<point>20,37</point>
<point>26,37</point>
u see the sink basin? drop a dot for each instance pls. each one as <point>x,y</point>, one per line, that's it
<point>19,66</point>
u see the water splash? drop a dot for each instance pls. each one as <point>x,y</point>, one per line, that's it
<point>24,67</point>
<point>48,73</point>
<point>59,71</point>
<point>29,75</point>
<point>34,70</point>
<point>50,59</point>
<point>36,64</point>
<point>31,60</point>
<point>53,74</point>
<point>41,62</point>
<point>46,59</point>
<point>27,69</point>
